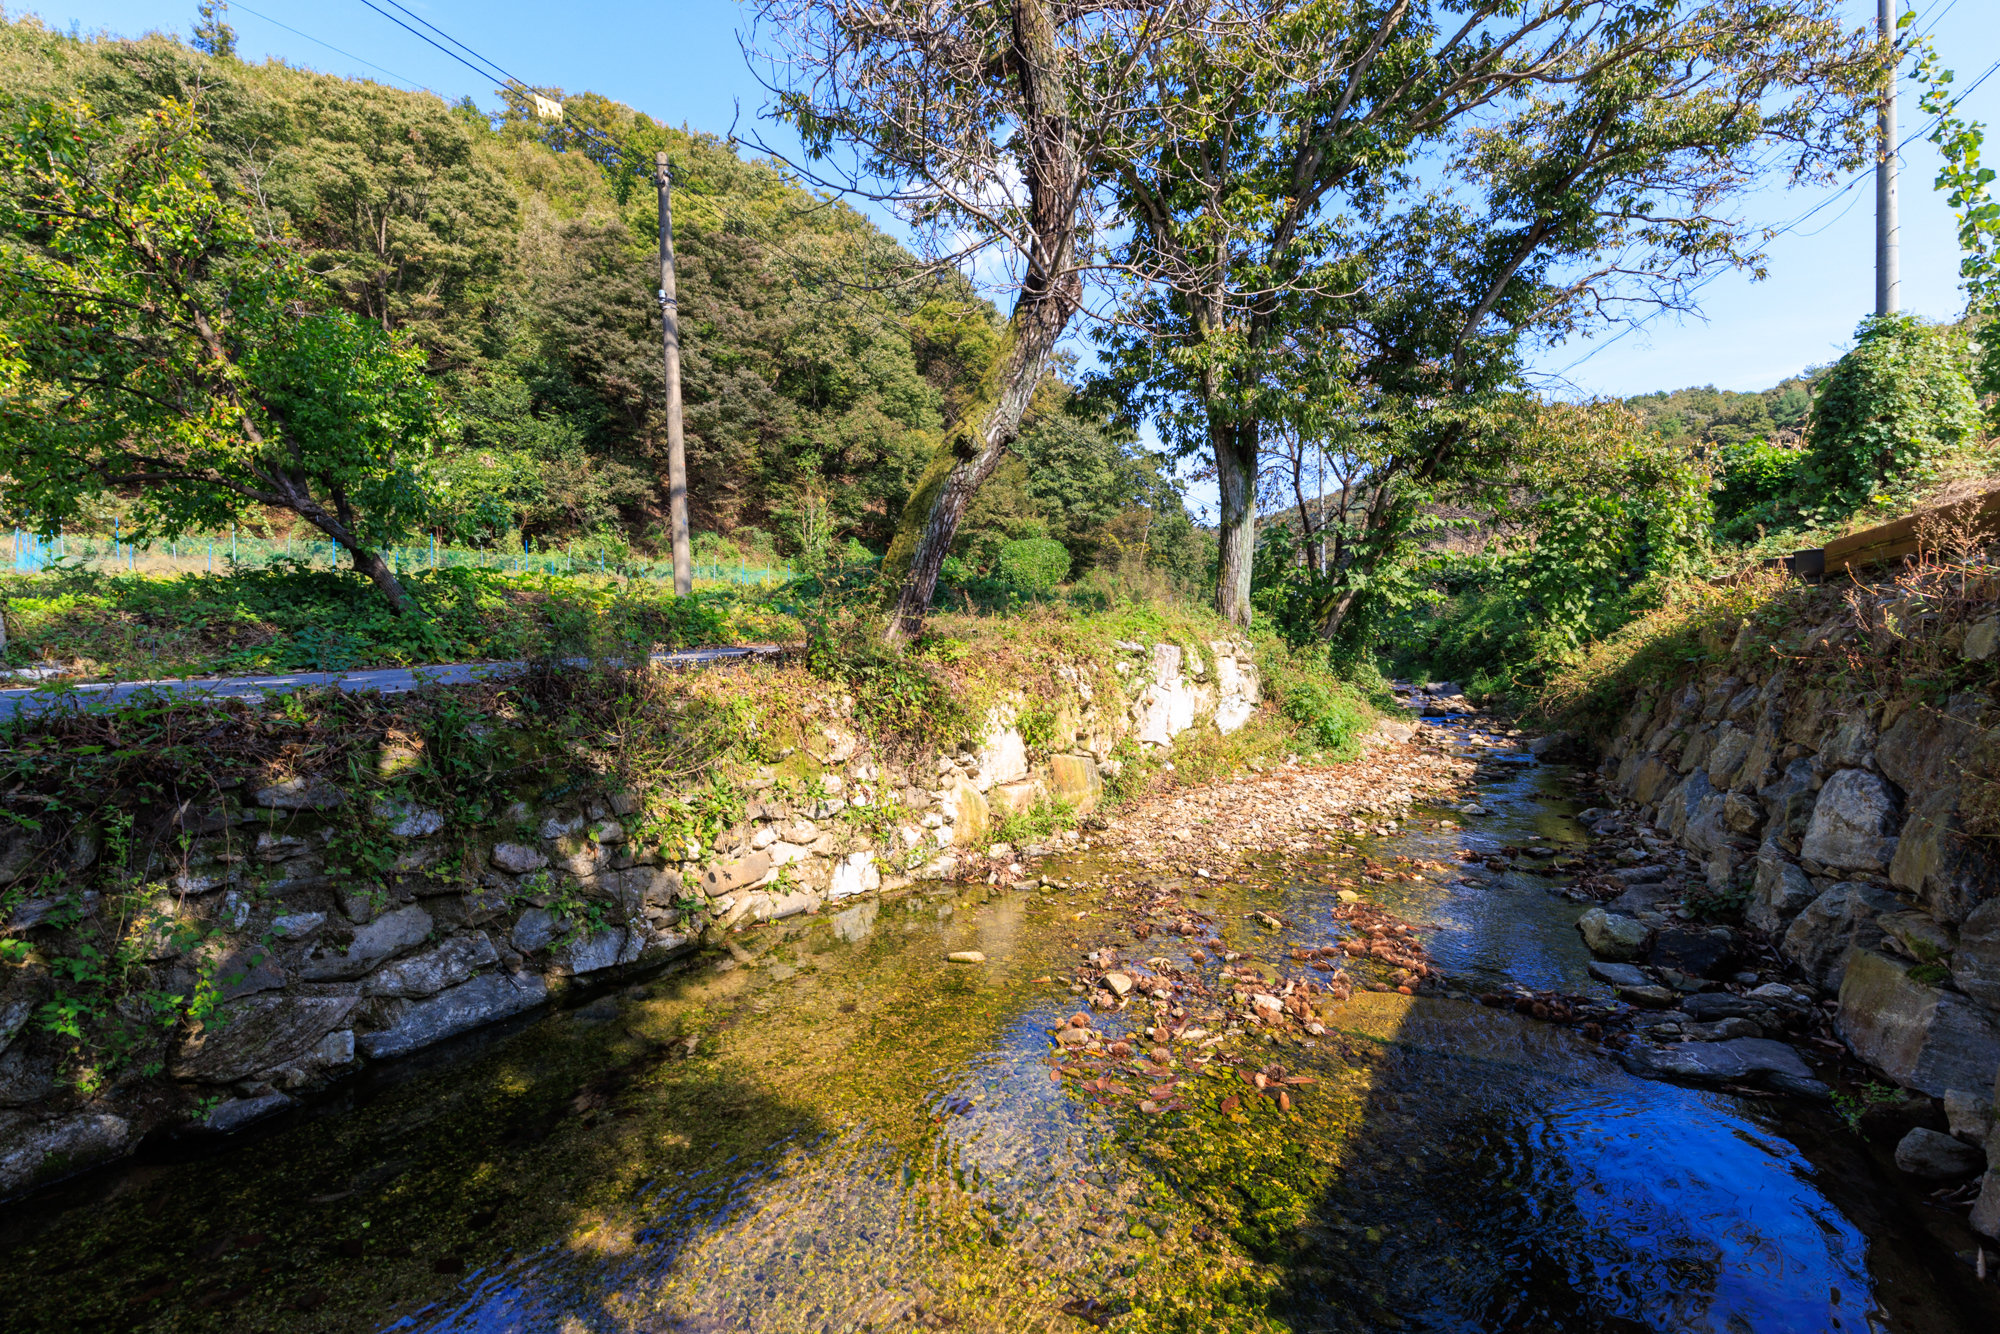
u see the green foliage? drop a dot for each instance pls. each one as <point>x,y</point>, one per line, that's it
<point>895,689</point>
<point>1886,413</point>
<point>1328,714</point>
<point>1607,516</point>
<point>1760,488</point>
<point>150,339</point>
<point>1851,1107</point>
<point>1035,564</point>
<point>1967,186</point>
<point>289,618</point>
<point>1047,816</point>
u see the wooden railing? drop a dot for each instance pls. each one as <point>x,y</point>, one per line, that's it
<point>1884,544</point>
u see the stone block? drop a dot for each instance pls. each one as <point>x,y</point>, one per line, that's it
<point>598,951</point>
<point>1779,894</point>
<point>1975,964</point>
<point>518,858</point>
<point>426,974</point>
<point>257,1034</point>
<point>407,819</point>
<point>387,936</point>
<point>1650,777</point>
<point>1075,780</point>
<point>854,874</point>
<point>1609,936</point>
<point>1985,1218</point>
<point>1014,798</point>
<point>1843,917</point>
<point>240,1112</point>
<point>1968,1116</point>
<point>736,873</point>
<point>415,1024</point>
<point>1950,872</point>
<point>1981,640</point>
<point>1920,1036</point>
<point>33,1151</point>
<point>1004,756</point>
<point>299,794</point>
<point>971,818</point>
<point>1934,1157</point>
<point>1852,822</point>
<point>1694,951</point>
<point>534,931</point>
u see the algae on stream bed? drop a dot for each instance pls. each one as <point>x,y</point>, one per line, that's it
<point>854,1133</point>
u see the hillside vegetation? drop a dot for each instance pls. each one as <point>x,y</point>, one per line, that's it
<point>519,256</point>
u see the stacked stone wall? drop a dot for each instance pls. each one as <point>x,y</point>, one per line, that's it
<point>1849,825</point>
<point>320,973</point>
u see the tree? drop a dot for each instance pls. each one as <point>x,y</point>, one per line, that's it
<point>212,34</point>
<point>153,340</point>
<point>971,120</point>
<point>1585,149</point>
<point>1886,412</point>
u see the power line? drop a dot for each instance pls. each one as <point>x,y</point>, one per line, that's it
<point>1795,223</point>
<point>468,50</point>
<point>484,74</point>
<point>330,46</point>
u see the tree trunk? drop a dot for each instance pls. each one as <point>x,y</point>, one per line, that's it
<point>1051,292</point>
<point>1235,445</point>
<point>371,564</point>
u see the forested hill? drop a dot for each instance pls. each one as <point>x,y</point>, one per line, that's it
<point>520,256</point>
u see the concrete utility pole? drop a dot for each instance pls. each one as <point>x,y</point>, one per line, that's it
<point>1887,228</point>
<point>670,335</point>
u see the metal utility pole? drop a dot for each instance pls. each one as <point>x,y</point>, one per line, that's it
<point>670,337</point>
<point>1887,228</point>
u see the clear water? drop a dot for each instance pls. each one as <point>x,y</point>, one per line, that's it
<point>869,1137</point>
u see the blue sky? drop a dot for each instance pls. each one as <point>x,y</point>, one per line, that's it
<point>680,62</point>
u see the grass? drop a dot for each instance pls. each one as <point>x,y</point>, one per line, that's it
<point>133,627</point>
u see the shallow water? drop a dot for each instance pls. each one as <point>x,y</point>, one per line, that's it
<point>867,1136</point>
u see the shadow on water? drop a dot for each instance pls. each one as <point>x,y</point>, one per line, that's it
<point>867,1136</point>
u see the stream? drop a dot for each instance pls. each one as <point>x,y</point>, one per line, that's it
<point>851,1132</point>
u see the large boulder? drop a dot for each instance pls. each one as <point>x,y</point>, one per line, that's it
<point>1844,916</point>
<point>1934,1157</point>
<point>1763,1061</point>
<point>1852,822</point>
<point>428,973</point>
<point>384,938</point>
<point>415,1024</point>
<point>1074,779</point>
<point>1610,936</point>
<point>259,1034</point>
<point>1779,894</point>
<point>1950,872</point>
<point>1975,965</point>
<point>32,1151</point>
<point>1725,758</point>
<point>1921,1036</point>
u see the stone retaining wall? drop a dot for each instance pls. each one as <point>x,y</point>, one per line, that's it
<point>319,974</point>
<point>1842,821</point>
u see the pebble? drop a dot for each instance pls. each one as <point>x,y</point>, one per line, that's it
<point>1118,984</point>
<point>965,956</point>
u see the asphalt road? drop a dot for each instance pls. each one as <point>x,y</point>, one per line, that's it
<point>33,700</point>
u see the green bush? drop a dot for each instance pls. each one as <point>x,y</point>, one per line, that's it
<point>1887,412</point>
<point>1034,564</point>
<point>1760,486</point>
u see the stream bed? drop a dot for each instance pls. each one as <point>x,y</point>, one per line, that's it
<point>852,1132</point>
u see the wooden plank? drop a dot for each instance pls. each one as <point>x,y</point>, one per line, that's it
<point>1891,541</point>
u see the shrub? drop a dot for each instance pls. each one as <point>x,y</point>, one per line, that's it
<point>1034,564</point>
<point>1760,485</point>
<point>1887,411</point>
